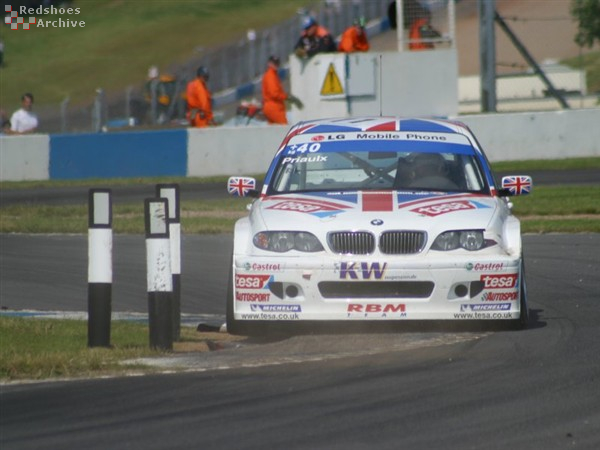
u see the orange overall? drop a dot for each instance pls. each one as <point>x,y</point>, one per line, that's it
<point>199,104</point>
<point>273,97</point>
<point>353,41</point>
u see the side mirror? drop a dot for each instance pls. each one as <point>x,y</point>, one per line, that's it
<point>242,187</point>
<point>515,185</point>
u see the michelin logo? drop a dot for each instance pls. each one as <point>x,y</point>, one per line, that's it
<point>277,308</point>
<point>486,307</point>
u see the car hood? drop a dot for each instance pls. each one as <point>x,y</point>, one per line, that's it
<point>375,210</point>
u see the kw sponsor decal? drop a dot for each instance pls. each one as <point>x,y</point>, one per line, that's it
<point>253,281</point>
<point>276,308</point>
<point>504,281</point>
<point>486,307</point>
<point>252,296</point>
<point>500,296</point>
<point>363,270</point>
<point>373,310</point>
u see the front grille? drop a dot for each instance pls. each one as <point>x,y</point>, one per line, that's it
<point>401,242</point>
<point>351,242</point>
<point>376,289</point>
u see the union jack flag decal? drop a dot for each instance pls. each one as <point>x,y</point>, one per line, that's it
<point>517,184</point>
<point>240,186</point>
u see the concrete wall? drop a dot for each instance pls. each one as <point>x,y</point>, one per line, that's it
<point>540,135</point>
<point>237,151</point>
<point>232,151</point>
<point>24,157</point>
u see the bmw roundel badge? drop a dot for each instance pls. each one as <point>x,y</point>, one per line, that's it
<point>376,222</point>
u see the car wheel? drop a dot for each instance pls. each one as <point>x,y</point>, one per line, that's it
<point>524,319</point>
<point>232,324</point>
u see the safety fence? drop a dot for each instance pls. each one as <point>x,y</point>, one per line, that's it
<point>234,67</point>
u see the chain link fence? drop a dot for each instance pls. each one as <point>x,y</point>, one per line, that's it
<point>233,66</point>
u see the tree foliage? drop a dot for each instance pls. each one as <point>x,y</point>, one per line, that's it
<point>587,13</point>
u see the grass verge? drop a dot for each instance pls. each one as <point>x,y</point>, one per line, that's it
<point>37,349</point>
<point>548,209</point>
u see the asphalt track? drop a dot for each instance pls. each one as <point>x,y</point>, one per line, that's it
<point>416,389</point>
<point>534,389</point>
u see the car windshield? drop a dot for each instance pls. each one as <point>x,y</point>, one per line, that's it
<point>359,170</point>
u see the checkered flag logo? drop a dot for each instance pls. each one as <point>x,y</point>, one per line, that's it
<point>12,18</point>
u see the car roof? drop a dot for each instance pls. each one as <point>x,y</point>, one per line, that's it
<point>379,123</point>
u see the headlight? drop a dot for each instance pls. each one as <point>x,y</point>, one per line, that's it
<point>451,240</point>
<point>284,241</point>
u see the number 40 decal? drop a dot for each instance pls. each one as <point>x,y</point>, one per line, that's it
<point>306,147</point>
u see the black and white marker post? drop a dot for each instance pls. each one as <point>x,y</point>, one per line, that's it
<point>171,193</point>
<point>159,277</point>
<point>99,267</point>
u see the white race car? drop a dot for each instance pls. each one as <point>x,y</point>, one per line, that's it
<point>377,219</point>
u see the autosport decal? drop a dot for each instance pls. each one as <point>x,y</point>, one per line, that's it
<point>252,296</point>
<point>318,208</point>
<point>500,296</point>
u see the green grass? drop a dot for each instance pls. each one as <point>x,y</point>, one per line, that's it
<point>548,208</point>
<point>208,216</point>
<point>120,40</point>
<point>40,349</point>
<point>36,349</point>
<point>547,164</point>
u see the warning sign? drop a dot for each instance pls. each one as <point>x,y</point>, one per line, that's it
<point>332,84</point>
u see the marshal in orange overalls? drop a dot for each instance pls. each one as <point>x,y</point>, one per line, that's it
<point>199,104</point>
<point>273,96</point>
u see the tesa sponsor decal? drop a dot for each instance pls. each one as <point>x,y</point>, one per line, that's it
<point>302,206</point>
<point>252,281</point>
<point>505,281</point>
<point>443,208</point>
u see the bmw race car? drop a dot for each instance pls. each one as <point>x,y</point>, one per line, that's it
<point>377,219</point>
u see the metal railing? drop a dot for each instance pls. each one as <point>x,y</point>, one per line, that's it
<point>231,66</point>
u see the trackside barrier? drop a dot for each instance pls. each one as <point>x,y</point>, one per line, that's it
<point>122,154</point>
<point>171,193</point>
<point>248,150</point>
<point>99,267</point>
<point>159,277</point>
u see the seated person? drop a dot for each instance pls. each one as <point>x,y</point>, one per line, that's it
<point>430,172</point>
